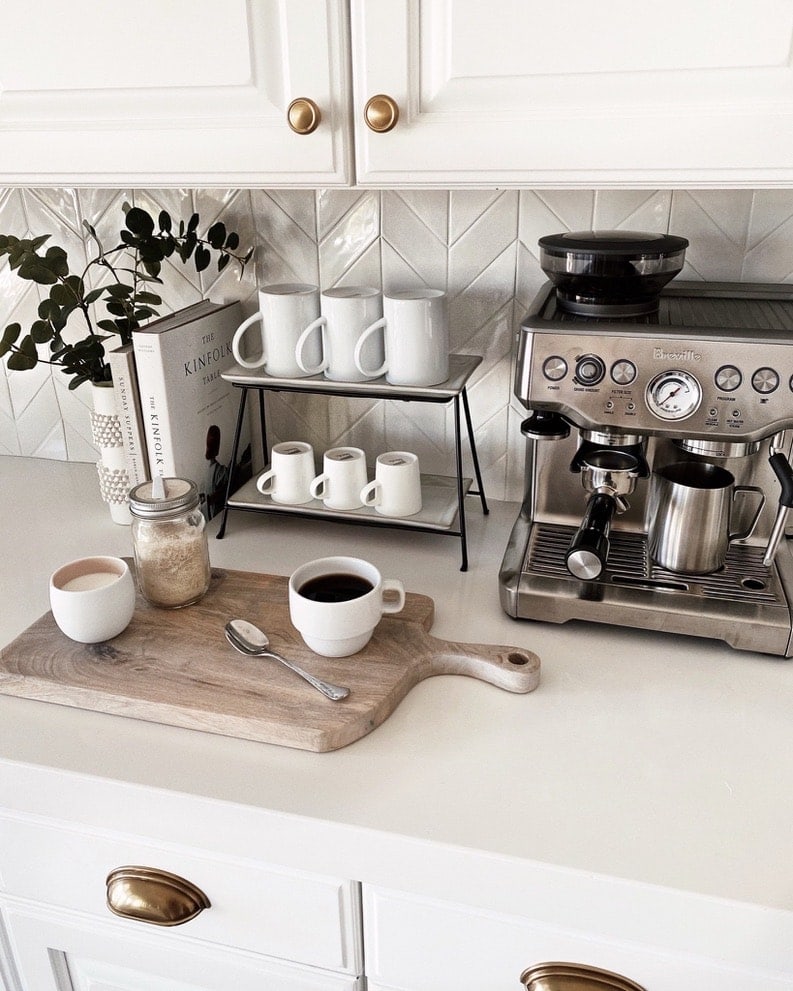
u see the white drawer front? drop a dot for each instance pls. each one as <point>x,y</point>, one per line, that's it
<point>299,917</point>
<point>428,945</point>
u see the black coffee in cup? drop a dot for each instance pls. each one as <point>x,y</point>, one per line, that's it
<point>335,588</point>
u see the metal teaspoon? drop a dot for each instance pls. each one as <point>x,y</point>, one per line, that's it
<point>249,639</point>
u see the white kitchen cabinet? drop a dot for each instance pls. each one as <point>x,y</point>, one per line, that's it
<point>574,93</point>
<point>425,944</point>
<point>187,92</point>
<point>511,93</point>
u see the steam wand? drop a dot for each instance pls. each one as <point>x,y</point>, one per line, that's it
<point>779,462</point>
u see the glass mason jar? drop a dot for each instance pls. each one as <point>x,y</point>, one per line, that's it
<point>170,543</point>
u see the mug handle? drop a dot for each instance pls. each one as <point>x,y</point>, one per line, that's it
<point>318,486</point>
<point>262,480</point>
<point>301,341</point>
<point>235,343</point>
<point>374,373</point>
<point>748,531</point>
<point>373,489</point>
<point>394,585</point>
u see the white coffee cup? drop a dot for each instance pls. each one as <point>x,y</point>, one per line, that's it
<point>396,489</point>
<point>93,598</point>
<point>288,479</point>
<point>343,476</point>
<point>347,313</point>
<point>335,603</point>
<point>285,311</point>
<point>416,339</point>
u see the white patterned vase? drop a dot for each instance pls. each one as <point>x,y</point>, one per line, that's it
<point>112,465</point>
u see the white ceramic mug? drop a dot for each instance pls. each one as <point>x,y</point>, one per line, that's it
<point>285,311</point>
<point>335,603</point>
<point>416,339</point>
<point>347,313</point>
<point>93,598</point>
<point>288,478</point>
<point>396,489</point>
<point>343,476</point>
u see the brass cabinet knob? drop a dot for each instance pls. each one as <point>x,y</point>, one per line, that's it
<point>303,115</point>
<point>381,113</point>
<point>149,895</point>
<point>574,977</point>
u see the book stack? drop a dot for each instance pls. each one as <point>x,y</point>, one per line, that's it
<point>178,415</point>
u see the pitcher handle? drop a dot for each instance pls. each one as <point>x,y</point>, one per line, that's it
<point>742,534</point>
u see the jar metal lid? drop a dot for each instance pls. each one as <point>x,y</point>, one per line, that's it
<point>180,495</point>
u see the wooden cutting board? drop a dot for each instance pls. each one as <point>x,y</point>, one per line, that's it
<point>176,667</point>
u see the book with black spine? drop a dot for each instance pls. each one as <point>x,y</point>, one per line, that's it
<point>189,411</point>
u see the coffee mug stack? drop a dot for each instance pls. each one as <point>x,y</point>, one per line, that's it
<point>350,334</point>
<point>343,484</point>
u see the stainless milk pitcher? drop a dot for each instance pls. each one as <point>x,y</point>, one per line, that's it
<point>688,516</point>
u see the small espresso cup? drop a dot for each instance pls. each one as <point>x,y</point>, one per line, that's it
<point>396,489</point>
<point>343,476</point>
<point>347,313</point>
<point>689,512</point>
<point>288,478</point>
<point>285,311</point>
<point>335,603</point>
<point>93,598</point>
<point>416,339</point>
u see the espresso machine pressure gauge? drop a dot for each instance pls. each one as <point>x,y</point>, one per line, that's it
<point>674,395</point>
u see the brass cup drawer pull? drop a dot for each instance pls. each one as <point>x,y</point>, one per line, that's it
<point>574,977</point>
<point>157,897</point>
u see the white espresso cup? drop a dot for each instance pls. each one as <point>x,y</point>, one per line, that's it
<point>396,489</point>
<point>285,311</point>
<point>416,339</point>
<point>288,479</point>
<point>343,476</point>
<point>347,313</point>
<point>335,603</point>
<point>93,598</point>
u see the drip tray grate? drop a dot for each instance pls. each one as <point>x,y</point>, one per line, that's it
<point>742,579</point>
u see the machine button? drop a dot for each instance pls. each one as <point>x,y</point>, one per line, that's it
<point>589,369</point>
<point>554,368</point>
<point>765,380</point>
<point>728,378</point>
<point>623,372</point>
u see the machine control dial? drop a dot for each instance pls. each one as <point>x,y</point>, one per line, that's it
<point>623,372</point>
<point>765,380</point>
<point>728,378</point>
<point>673,395</point>
<point>554,368</point>
<point>589,369</point>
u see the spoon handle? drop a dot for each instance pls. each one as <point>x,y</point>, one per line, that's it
<point>334,692</point>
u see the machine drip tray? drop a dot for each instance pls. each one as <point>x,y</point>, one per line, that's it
<point>742,579</point>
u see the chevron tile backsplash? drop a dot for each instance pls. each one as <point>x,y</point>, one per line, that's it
<point>478,245</point>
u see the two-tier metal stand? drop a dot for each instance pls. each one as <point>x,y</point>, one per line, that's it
<point>443,497</point>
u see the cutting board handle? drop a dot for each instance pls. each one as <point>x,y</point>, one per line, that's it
<point>514,669</point>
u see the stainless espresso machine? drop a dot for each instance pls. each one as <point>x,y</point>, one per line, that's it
<point>691,394</point>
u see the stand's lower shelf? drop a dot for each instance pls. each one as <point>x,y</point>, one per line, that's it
<point>439,509</point>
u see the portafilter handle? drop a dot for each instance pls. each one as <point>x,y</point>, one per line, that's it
<point>784,473</point>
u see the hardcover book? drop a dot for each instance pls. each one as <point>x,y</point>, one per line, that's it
<point>125,387</point>
<point>189,411</point>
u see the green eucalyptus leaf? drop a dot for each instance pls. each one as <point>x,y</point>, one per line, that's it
<point>20,362</point>
<point>139,221</point>
<point>34,270</point>
<point>153,269</point>
<point>77,381</point>
<point>109,325</point>
<point>41,332</point>
<point>144,312</point>
<point>5,347</point>
<point>37,242</point>
<point>119,291</point>
<point>12,332</point>
<point>93,296</point>
<point>147,297</point>
<point>61,294</point>
<point>57,260</point>
<point>116,308</point>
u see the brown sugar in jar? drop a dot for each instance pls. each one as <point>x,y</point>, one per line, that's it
<point>170,543</point>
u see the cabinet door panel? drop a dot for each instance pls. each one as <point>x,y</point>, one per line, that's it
<point>185,92</point>
<point>575,92</point>
<point>61,952</point>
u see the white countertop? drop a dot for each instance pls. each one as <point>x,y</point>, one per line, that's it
<point>652,758</point>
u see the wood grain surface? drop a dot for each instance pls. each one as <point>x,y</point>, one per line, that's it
<point>176,667</point>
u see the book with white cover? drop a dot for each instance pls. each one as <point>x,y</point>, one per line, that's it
<point>189,411</point>
<point>125,387</point>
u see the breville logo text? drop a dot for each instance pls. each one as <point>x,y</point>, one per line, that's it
<point>689,355</point>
